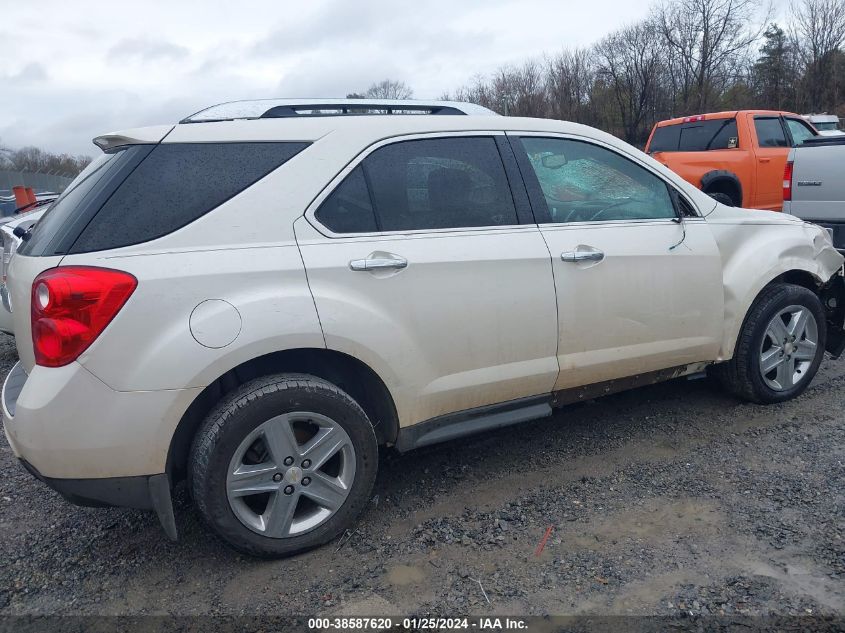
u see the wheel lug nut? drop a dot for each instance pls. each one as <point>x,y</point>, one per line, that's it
<point>306,481</point>
<point>288,490</point>
<point>277,477</point>
<point>288,461</point>
<point>306,463</point>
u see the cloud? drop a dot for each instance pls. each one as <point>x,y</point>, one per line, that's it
<point>144,50</point>
<point>29,74</point>
<point>82,77</point>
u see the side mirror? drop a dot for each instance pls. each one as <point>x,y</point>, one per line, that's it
<point>553,161</point>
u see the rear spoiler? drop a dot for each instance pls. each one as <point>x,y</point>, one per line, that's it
<point>138,136</point>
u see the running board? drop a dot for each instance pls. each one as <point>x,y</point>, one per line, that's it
<point>455,425</point>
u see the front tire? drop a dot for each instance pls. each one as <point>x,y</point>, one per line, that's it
<point>780,346</point>
<point>283,464</point>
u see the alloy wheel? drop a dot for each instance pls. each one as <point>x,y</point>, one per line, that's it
<point>290,474</point>
<point>789,347</point>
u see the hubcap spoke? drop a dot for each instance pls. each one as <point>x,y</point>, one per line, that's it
<point>252,480</point>
<point>324,446</point>
<point>805,350</point>
<point>798,323</point>
<point>777,330</point>
<point>325,491</point>
<point>278,516</point>
<point>786,371</point>
<point>771,359</point>
<point>281,442</point>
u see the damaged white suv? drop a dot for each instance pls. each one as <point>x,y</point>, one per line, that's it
<point>256,298</point>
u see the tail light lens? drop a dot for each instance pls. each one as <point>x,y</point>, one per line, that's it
<point>787,182</point>
<point>71,306</point>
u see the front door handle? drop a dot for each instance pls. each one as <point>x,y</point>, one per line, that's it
<point>582,256</point>
<point>378,263</point>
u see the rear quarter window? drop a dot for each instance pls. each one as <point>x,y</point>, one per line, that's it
<point>696,136</point>
<point>176,184</point>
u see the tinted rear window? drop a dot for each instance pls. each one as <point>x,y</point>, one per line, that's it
<point>697,136</point>
<point>176,184</point>
<point>138,193</point>
<point>80,201</point>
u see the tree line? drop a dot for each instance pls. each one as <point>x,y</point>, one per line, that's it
<point>686,57</point>
<point>35,160</point>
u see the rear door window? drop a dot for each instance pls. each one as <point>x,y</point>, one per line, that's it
<point>769,132</point>
<point>441,183</point>
<point>695,136</point>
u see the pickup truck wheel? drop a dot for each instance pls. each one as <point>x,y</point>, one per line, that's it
<point>722,198</point>
<point>780,346</point>
<point>283,464</point>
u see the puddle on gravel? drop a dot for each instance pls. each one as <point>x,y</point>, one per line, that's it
<point>402,575</point>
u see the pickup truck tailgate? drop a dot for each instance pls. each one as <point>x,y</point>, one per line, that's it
<point>818,187</point>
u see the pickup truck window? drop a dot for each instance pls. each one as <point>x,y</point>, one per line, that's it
<point>770,132</point>
<point>799,131</point>
<point>697,136</point>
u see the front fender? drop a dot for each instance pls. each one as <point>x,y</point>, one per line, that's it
<point>757,250</point>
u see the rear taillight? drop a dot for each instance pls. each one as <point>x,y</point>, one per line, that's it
<point>787,182</point>
<point>71,306</point>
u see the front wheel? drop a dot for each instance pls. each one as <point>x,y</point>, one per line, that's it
<point>780,347</point>
<point>283,464</point>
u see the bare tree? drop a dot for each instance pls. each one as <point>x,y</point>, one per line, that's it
<point>36,160</point>
<point>708,41</point>
<point>569,81</point>
<point>630,63</point>
<point>819,31</point>
<point>389,89</point>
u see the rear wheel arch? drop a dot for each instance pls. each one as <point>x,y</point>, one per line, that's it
<point>346,372</point>
<point>720,181</point>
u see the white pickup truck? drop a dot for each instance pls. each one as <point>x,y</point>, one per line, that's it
<point>814,185</point>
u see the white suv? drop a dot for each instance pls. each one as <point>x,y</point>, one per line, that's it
<point>256,298</point>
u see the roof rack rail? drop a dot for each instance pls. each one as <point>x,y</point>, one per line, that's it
<point>293,108</point>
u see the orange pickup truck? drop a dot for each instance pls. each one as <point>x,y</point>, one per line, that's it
<point>737,157</point>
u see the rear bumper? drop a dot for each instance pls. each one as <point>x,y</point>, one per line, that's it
<point>93,445</point>
<point>144,493</point>
<point>68,424</point>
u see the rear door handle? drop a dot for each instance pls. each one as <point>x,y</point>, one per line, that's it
<point>378,263</point>
<point>765,160</point>
<point>582,256</point>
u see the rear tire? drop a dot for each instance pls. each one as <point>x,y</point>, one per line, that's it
<point>780,346</point>
<point>283,464</point>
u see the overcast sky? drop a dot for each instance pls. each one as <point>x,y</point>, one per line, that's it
<point>73,69</point>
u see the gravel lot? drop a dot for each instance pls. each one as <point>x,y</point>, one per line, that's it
<point>664,500</point>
